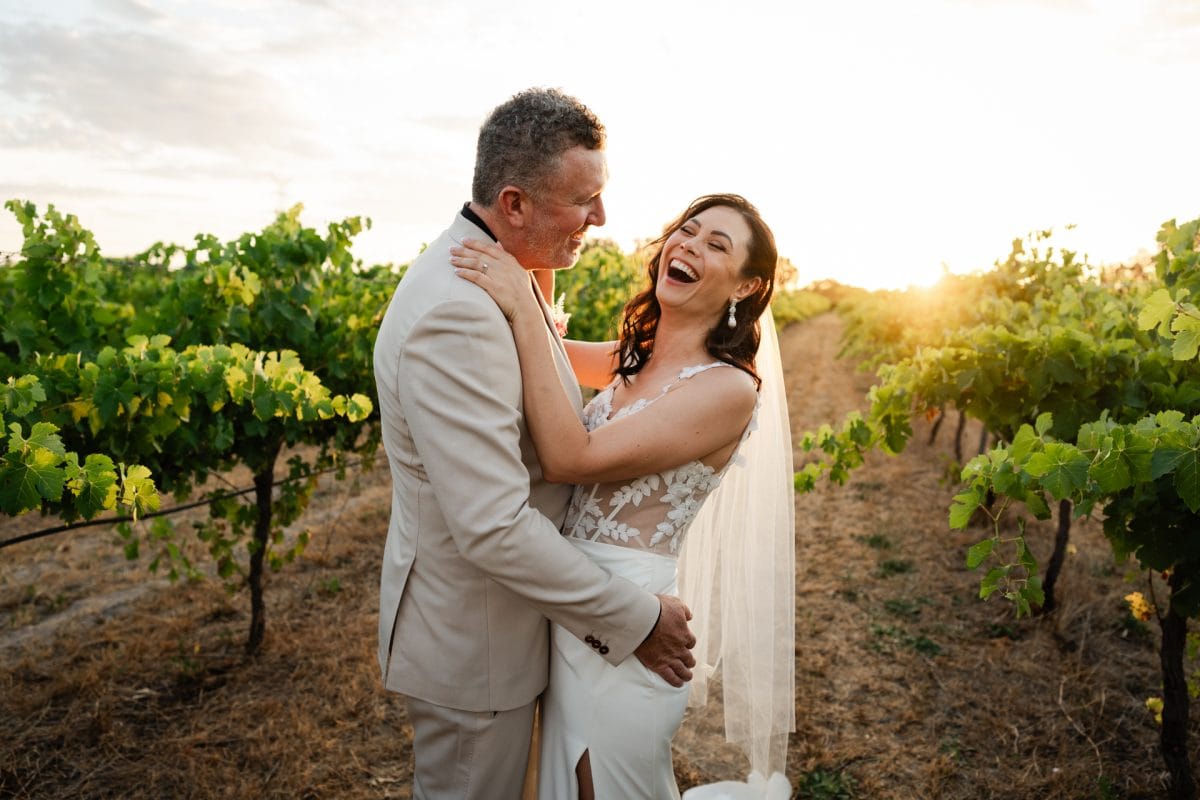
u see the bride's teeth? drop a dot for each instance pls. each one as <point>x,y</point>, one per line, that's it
<point>684,268</point>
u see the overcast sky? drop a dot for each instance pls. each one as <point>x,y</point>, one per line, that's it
<point>880,139</point>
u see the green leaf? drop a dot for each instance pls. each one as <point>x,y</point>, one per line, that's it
<point>1156,311</point>
<point>964,507</point>
<point>360,408</point>
<point>138,491</point>
<point>43,436</point>
<point>1112,472</point>
<point>896,435</point>
<point>21,395</point>
<point>1004,480</point>
<point>1033,591</point>
<point>94,485</point>
<point>1187,479</point>
<point>1164,460</point>
<point>1025,557</point>
<point>1061,469</point>
<point>26,479</point>
<point>991,581</point>
<point>1024,444</point>
<point>1187,338</point>
<point>1044,423</point>
<point>805,480</point>
<point>266,404</point>
<point>979,552</point>
<point>1036,503</point>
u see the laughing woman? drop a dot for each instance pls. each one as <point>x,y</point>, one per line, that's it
<point>680,395</point>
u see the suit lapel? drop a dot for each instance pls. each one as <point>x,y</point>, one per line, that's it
<point>565,374</point>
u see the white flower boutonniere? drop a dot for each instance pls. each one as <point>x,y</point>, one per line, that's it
<point>560,315</point>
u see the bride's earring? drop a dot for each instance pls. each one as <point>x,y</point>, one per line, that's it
<point>732,321</point>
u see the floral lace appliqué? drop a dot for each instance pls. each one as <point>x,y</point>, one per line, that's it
<point>663,505</point>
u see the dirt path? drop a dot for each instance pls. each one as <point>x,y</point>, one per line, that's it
<point>112,684</point>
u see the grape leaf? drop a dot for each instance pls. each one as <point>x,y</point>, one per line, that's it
<point>94,485</point>
<point>1061,469</point>
<point>1157,311</point>
<point>979,552</point>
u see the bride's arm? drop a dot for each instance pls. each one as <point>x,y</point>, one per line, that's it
<point>594,363</point>
<point>544,279</point>
<point>695,420</point>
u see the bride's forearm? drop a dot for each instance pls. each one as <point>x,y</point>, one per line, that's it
<point>594,363</point>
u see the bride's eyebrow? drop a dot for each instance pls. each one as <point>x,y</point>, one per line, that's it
<point>695,221</point>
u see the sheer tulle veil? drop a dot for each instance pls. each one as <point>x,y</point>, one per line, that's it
<point>737,574</point>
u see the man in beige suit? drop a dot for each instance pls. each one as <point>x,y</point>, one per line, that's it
<point>474,564</point>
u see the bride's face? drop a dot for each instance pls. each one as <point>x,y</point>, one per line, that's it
<point>702,260</point>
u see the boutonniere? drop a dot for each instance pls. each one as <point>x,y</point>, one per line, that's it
<point>560,315</point>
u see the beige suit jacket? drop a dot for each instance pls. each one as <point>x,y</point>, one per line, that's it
<point>474,562</point>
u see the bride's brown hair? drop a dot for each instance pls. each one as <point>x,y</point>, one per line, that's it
<point>736,346</point>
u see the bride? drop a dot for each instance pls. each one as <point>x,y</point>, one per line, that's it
<point>680,394</point>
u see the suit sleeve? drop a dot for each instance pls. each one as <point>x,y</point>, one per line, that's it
<point>459,382</point>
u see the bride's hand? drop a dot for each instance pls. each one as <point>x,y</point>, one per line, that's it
<point>489,266</point>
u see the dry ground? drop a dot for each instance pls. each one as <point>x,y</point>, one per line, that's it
<point>114,683</point>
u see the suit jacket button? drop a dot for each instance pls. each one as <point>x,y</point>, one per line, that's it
<point>603,649</point>
<point>595,644</point>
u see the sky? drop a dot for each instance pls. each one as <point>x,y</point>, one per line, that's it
<point>882,141</point>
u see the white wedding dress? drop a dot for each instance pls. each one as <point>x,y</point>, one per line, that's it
<point>624,716</point>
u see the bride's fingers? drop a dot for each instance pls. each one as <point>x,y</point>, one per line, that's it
<point>490,252</point>
<point>493,249</point>
<point>468,259</point>
<point>470,263</point>
<point>463,254</point>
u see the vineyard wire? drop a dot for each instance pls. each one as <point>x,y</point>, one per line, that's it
<point>44,532</point>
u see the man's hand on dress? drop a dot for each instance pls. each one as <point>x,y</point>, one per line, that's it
<point>668,648</point>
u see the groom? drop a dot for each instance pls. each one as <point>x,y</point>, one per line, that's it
<point>474,564</point>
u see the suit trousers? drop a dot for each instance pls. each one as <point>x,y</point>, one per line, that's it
<point>464,755</point>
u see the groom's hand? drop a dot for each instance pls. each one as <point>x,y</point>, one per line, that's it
<point>668,648</point>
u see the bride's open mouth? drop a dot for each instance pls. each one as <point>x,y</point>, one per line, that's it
<point>678,271</point>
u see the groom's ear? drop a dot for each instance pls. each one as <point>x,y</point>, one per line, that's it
<point>515,206</point>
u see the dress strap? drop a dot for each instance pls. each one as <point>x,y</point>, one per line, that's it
<point>689,372</point>
<point>640,403</point>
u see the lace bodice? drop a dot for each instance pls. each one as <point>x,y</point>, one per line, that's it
<point>652,512</point>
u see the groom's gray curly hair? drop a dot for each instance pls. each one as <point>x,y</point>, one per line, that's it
<point>522,139</point>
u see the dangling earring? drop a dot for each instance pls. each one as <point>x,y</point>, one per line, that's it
<point>732,321</point>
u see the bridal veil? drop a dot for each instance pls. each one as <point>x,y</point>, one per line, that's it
<point>737,574</point>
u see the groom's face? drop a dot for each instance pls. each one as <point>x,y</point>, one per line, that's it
<point>565,207</point>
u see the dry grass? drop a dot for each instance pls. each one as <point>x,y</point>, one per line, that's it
<point>116,684</point>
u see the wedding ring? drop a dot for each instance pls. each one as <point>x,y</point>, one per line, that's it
<point>483,266</point>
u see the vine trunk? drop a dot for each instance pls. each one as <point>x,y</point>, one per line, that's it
<point>1174,732</point>
<point>1061,538</point>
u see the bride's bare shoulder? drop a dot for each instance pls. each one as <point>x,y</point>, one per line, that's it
<point>731,388</point>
